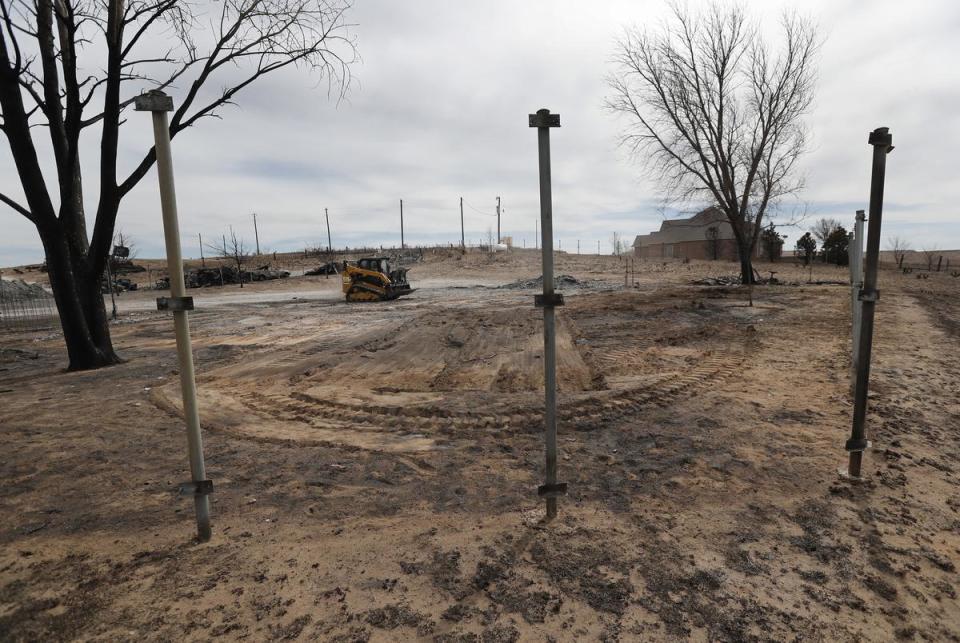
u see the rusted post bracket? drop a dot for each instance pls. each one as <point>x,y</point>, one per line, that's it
<point>174,304</point>
<point>196,488</point>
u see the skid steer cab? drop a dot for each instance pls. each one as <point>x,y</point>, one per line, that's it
<point>370,279</point>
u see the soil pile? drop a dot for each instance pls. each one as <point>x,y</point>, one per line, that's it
<point>19,289</point>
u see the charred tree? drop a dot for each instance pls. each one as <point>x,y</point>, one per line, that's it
<point>65,66</point>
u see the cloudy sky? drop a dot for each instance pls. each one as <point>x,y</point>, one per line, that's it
<point>438,110</point>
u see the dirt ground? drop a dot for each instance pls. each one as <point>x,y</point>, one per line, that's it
<point>376,465</point>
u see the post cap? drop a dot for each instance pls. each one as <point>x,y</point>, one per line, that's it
<point>543,118</point>
<point>861,215</point>
<point>153,101</point>
<point>881,137</point>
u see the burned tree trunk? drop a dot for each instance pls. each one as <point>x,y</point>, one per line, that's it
<point>79,299</point>
<point>44,87</point>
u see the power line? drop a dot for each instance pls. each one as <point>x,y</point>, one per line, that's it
<point>478,211</point>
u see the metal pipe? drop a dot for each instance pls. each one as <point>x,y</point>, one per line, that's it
<point>881,140</point>
<point>543,120</point>
<point>110,282</point>
<point>856,307</point>
<point>329,242</point>
<point>159,104</point>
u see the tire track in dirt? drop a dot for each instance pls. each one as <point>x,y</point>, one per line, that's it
<point>580,412</point>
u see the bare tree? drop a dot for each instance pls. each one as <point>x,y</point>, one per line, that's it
<point>899,247</point>
<point>617,243</point>
<point>71,65</point>
<point>715,114</point>
<point>823,228</point>
<point>123,240</point>
<point>234,250</point>
<point>930,253</point>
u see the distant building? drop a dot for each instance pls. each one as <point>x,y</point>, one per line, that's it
<point>705,235</point>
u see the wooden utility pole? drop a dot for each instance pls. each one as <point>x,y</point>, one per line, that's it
<point>256,235</point>
<point>203,262</point>
<point>543,120</point>
<point>882,142</point>
<point>463,238</point>
<point>401,224</point>
<point>327,217</point>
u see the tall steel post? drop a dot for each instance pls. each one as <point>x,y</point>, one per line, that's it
<point>110,281</point>
<point>463,238</point>
<point>543,120</point>
<point>326,215</point>
<point>401,224</point>
<point>882,142</point>
<point>856,307</point>
<point>159,104</point>
<point>498,221</point>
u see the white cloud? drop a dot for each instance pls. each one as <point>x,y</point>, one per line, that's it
<point>440,112</point>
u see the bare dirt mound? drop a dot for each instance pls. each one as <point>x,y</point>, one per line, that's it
<point>414,377</point>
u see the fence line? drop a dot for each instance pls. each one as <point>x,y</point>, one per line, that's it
<point>26,307</point>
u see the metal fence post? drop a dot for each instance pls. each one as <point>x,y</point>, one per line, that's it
<point>882,142</point>
<point>159,104</point>
<point>856,306</point>
<point>543,120</point>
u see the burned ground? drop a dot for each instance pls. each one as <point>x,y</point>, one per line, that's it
<point>376,466</point>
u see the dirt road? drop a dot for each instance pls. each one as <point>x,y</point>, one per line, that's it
<point>376,466</point>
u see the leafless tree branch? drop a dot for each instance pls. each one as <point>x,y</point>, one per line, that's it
<point>715,116</point>
<point>47,79</point>
<point>16,206</point>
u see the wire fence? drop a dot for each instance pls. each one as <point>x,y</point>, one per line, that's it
<point>25,307</point>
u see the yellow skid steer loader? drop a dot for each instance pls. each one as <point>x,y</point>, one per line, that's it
<point>370,279</point>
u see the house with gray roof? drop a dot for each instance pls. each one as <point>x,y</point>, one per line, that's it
<point>705,235</point>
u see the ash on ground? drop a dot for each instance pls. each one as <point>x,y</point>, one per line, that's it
<point>560,282</point>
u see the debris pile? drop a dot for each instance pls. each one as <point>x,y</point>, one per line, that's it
<point>560,282</point>
<point>727,280</point>
<point>122,267</point>
<point>202,277</point>
<point>120,284</point>
<point>329,268</point>
<point>19,289</point>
